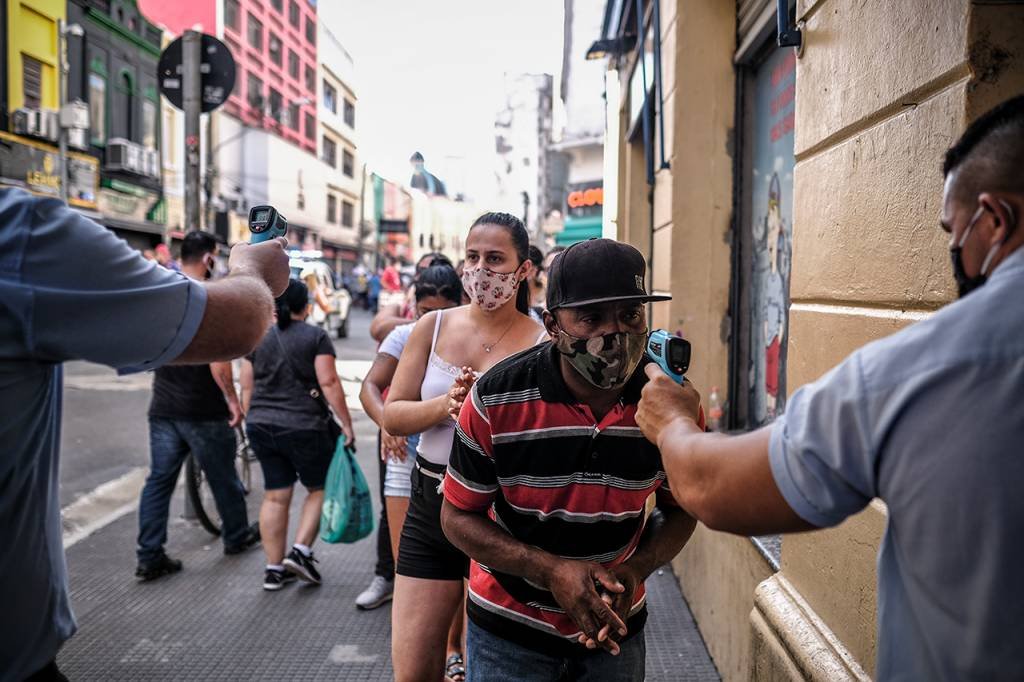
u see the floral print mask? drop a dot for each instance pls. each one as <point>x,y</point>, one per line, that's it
<point>488,289</point>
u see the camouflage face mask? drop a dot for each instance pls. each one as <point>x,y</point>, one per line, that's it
<point>604,361</point>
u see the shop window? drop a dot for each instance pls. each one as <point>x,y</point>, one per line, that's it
<point>332,208</point>
<point>350,113</point>
<point>347,214</point>
<point>330,152</point>
<point>98,108</point>
<point>348,163</point>
<point>293,13</point>
<point>255,33</point>
<point>766,240</point>
<point>330,98</point>
<point>231,14</point>
<point>32,81</point>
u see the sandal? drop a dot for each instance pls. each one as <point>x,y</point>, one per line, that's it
<point>454,668</point>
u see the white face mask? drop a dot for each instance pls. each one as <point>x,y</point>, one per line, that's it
<point>488,289</point>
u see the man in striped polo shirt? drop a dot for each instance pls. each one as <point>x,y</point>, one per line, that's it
<point>553,491</point>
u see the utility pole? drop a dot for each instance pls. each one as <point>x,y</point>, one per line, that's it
<point>191,81</point>
<point>62,78</point>
<point>210,175</point>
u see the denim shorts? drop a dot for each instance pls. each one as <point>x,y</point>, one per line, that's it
<point>287,455</point>
<point>398,474</point>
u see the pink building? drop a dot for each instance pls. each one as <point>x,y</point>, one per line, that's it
<point>274,45</point>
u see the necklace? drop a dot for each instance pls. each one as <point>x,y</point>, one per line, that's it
<point>488,346</point>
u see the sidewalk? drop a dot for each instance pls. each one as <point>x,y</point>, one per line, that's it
<point>213,621</point>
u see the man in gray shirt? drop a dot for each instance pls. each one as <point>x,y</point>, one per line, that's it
<point>69,289</point>
<point>930,420</point>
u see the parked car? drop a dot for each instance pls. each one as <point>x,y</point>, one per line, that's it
<point>331,304</point>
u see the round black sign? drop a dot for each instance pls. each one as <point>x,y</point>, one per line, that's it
<point>217,68</point>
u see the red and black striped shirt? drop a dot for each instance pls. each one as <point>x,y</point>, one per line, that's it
<point>536,461</point>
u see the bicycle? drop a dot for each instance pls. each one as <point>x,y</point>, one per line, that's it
<point>198,489</point>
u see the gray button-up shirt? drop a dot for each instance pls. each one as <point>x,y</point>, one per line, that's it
<point>69,289</point>
<point>930,420</point>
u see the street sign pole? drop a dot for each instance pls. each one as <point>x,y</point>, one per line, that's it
<point>191,85</point>
<point>62,136</point>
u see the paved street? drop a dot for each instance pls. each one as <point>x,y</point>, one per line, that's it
<point>213,621</point>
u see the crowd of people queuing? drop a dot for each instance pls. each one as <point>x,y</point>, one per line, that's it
<point>527,444</point>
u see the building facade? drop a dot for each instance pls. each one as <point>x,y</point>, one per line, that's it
<point>789,200</point>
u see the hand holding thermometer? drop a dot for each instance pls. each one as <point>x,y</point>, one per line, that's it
<point>672,353</point>
<point>266,223</point>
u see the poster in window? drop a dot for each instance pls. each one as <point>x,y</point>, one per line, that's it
<point>771,216</point>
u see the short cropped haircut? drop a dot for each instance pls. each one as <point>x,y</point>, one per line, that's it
<point>989,156</point>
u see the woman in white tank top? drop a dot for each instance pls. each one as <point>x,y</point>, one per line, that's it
<point>445,345</point>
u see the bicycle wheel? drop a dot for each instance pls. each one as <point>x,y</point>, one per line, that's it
<point>198,490</point>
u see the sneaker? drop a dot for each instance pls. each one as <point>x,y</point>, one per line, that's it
<point>157,568</point>
<point>274,580</point>
<point>377,593</point>
<point>301,565</point>
<point>251,538</point>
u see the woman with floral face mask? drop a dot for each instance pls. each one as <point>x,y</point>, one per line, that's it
<point>445,351</point>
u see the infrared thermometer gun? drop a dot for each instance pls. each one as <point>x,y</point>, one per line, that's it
<point>266,223</point>
<point>671,352</point>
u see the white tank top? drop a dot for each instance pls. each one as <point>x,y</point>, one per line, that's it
<point>436,442</point>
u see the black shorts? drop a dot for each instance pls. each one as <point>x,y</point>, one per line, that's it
<point>424,551</point>
<point>289,454</point>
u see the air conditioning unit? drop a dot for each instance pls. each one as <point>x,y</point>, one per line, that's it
<point>135,160</point>
<point>78,138</point>
<point>118,151</point>
<point>151,162</point>
<point>49,125</point>
<point>75,115</point>
<point>25,122</point>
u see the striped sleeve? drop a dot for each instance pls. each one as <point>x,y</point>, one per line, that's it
<point>472,481</point>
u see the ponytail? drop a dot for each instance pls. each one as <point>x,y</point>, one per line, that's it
<point>521,241</point>
<point>294,300</point>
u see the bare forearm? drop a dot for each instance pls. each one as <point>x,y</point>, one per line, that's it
<point>239,309</point>
<point>666,534</point>
<point>726,481</point>
<point>224,378</point>
<point>372,402</point>
<point>488,543</point>
<point>408,417</point>
<point>335,395</point>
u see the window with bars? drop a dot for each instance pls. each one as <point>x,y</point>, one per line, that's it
<point>255,32</point>
<point>330,152</point>
<point>332,208</point>
<point>348,212</point>
<point>32,81</point>
<point>350,113</point>
<point>348,163</point>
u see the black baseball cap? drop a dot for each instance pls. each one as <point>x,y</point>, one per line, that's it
<point>598,271</point>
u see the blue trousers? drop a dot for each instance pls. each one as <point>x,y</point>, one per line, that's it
<point>213,444</point>
<point>490,658</point>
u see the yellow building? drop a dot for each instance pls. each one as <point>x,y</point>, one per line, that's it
<point>32,53</point>
<point>789,201</point>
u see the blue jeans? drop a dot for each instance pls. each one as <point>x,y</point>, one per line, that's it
<point>489,658</point>
<point>213,444</point>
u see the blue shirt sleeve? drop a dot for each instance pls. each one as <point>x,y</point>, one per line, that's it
<point>821,451</point>
<point>82,293</point>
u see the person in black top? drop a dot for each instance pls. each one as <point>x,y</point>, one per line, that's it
<point>194,409</point>
<point>292,431</point>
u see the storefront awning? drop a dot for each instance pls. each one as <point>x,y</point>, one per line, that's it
<point>578,229</point>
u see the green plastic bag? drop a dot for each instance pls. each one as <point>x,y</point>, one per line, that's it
<point>347,512</point>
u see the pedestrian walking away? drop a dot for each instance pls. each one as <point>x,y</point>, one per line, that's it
<point>436,288</point>
<point>81,293</point>
<point>285,383</point>
<point>553,492</point>
<point>929,420</point>
<point>194,409</point>
<point>445,352</point>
